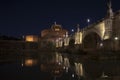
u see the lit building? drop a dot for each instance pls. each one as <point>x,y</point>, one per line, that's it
<point>56,34</point>
<point>31,38</point>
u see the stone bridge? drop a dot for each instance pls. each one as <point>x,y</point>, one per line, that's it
<point>104,33</point>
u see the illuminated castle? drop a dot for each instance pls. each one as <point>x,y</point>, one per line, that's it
<point>56,35</point>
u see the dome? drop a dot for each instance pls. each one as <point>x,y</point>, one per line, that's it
<point>55,32</point>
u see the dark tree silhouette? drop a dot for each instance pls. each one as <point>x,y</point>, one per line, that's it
<point>71,43</point>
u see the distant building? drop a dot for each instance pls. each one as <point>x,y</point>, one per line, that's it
<point>56,34</point>
<point>31,38</point>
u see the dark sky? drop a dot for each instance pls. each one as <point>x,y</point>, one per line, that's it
<point>22,17</point>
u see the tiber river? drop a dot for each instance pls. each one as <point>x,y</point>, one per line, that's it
<point>59,66</point>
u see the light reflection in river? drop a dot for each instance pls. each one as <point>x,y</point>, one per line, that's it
<point>30,62</point>
<point>63,66</point>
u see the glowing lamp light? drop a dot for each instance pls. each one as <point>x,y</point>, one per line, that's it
<point>101,44</point>
<point>22,64</point>
<point>73,75</point>
<point>31,38</point>
<point>88,20</point>
<point>116,38</point>
<point>30,62</point>
<point>72,30</point>
<point>59,63</point>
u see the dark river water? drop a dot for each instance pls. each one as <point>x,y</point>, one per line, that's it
<point>59,66</point>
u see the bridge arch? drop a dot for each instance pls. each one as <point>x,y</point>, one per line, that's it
<point>87,32</point>
<point>91,40</point>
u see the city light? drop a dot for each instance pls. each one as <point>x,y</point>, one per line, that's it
<point>116,38</point>
<point>72,30</point>
<point>101,44</point>
<point>73,75</point>
<point>88,20</point>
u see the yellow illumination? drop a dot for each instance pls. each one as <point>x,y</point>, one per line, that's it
<point>30,62</point>
<point>106,37</point>
<point>31,38</point>
<point>102,29</point>
<point>78,38</point>
<point>116,38</point>
<point>57,29</point>
<point>78,69</point>
<point>103,35</point>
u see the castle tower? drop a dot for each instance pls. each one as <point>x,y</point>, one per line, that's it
<point>108,21</point>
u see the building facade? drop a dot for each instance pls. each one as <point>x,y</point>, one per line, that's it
<point>56,34</point>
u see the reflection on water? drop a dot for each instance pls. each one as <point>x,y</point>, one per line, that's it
<point>30,62</point>
<point>62,66</point>
<point>79,69</point>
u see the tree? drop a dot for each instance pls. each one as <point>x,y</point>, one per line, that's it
<point>71,43</point>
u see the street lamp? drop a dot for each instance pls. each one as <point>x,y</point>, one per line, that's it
<point>101,44</point>
<point>88,21</point>
<point>73,75</point>
<point>116,45</point>
<point>72,30</point>
<point>116,38</point>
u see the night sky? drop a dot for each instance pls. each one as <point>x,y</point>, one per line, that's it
<point>23,17</point>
